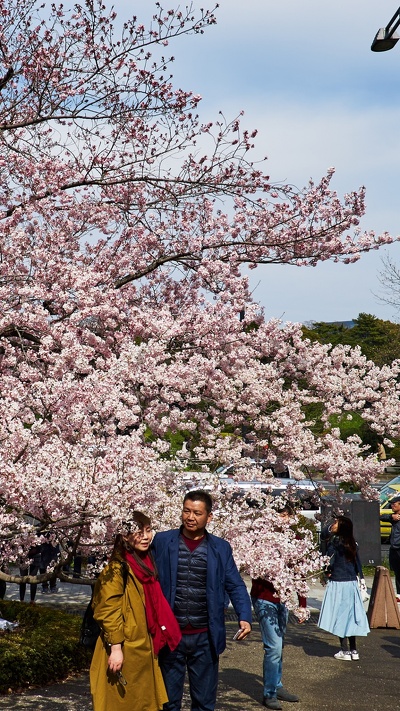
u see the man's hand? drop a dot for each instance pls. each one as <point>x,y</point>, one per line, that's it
<point>245,629</point>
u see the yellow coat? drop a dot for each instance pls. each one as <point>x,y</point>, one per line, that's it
<point>121,616</point>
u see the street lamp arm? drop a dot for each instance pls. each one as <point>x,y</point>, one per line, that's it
<point>386,38</point>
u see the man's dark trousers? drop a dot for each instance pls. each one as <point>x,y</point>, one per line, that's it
<point>195,653</point>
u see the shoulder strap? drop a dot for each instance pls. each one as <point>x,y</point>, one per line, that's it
<point>124,569</point>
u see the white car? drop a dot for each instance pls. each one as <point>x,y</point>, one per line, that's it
<point>227,472</point>
<point>302,489</point>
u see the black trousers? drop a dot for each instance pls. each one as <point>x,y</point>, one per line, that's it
<point>394,562</point>
<point>33,570</point>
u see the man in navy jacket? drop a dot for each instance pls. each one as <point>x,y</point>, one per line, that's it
<point>197,572</point>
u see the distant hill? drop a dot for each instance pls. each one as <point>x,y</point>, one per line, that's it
<point>379,340</point>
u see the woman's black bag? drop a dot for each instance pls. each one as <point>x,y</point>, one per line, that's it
<point>90,630</point>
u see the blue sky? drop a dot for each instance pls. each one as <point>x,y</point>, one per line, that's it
<point>305,76</point>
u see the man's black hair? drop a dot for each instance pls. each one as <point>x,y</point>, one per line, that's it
<point>200,495</point>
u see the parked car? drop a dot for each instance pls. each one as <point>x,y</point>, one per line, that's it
<point>231,473</point>
<point>234,469</point>
<point>302,490</point>
<point>387,492</point>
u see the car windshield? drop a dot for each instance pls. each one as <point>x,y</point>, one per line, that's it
<point>221,469</point>
<point>391,488</point>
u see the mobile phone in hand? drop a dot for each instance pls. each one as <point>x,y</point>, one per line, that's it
<point>237,634</point>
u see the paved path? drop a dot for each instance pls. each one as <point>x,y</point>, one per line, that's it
<point>72,598</point>
<point>310,670</point>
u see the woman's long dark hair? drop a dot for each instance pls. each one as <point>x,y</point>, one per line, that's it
<point>345,534</point>
<point>121,546</point>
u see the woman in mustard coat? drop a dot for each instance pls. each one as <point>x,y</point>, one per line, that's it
<point>135,622</point>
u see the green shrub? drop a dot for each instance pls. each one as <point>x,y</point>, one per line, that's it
<point>43,648</point>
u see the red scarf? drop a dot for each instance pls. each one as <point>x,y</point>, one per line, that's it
<point>161,621</point>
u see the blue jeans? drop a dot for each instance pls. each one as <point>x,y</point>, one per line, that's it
<point>195,654</point>
<point>272,618</point>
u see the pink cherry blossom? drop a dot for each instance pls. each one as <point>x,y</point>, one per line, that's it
<point>124,226</point>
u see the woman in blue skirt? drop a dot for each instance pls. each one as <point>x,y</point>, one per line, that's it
<point>342,610</point>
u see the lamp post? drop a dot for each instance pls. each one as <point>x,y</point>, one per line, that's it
<point>386,38</point>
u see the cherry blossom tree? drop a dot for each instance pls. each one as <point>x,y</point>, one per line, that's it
<point>125,223</point>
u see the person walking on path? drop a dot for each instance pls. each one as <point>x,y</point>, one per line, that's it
<point>48,554</point>
<point>342,610</point>
<point>135,622</point>
<point>394,547</point>
<point>381,452</point>
<point>33,568</point>
<point>197,571</point>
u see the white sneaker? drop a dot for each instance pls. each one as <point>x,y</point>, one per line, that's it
<point>354,655</point>
<point>346,656</point>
